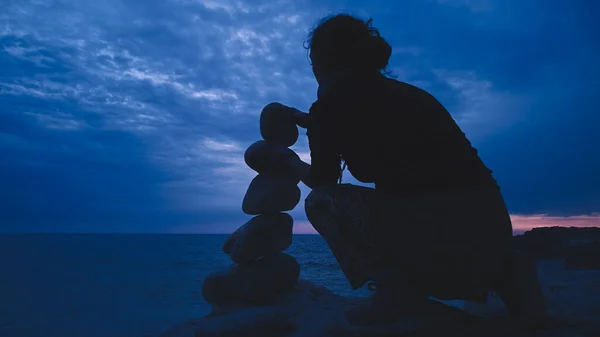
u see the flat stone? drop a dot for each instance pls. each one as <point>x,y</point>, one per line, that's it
<point>269,194</point>
<point>277,126</point>
<point>263,235</point>
<point>268,158</point>
<point>253,283</point>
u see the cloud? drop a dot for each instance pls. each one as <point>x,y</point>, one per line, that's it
<point>481,109</point>
<point>124,116</point>
<point>473,5</point>
<point>183,81</point>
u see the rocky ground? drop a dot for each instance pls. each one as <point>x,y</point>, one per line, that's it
<point>312,310</point>
<point>573,296</point>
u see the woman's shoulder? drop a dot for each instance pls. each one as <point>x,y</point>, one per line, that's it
<point>399,85</point>
<point>350,87</point>
<point>412,90</point>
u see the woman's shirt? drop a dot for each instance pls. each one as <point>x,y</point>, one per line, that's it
<point>389,133</point>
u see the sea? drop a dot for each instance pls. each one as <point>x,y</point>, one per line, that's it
<point>124,285</point>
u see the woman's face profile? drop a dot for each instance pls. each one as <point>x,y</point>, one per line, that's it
<point>317,71</point>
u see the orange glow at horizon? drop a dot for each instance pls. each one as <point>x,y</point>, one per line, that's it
<point>523,223</point>
<point>520,222</point>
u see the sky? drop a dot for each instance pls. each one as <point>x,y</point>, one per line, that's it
<point>133,116</point>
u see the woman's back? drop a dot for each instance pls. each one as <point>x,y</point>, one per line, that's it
<point>397,136</point>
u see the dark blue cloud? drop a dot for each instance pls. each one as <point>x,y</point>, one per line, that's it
<point>72,179</point>
<point>121,116</point>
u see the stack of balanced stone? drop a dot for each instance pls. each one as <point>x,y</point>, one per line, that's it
<point>261,271</point>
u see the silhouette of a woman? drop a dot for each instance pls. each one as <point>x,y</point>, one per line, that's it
<point>436,223</point>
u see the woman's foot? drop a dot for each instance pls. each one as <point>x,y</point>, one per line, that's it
<point>390,304</point>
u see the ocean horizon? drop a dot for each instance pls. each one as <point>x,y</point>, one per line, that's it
<point>515,232</point>
<point>124,285</point>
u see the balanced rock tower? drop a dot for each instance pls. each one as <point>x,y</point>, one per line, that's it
<point>261,270</point>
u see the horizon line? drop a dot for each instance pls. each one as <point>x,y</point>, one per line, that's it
<point>516,232</point>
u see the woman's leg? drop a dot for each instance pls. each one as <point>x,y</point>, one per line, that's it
<point>344,215</point>
<point>449,246</point>
<point>341,214</point>
<point>454,244</point>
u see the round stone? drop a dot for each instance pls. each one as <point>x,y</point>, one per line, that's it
<point>253,283</point>
<point>262,236</point>
<point>269,158</point>
<point>277,125</point>
<point>269,194</point>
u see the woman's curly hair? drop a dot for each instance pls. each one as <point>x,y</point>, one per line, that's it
<point>344,40</point>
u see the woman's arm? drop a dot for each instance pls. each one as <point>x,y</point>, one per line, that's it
<point>302,119</point>
<point>324,151</point>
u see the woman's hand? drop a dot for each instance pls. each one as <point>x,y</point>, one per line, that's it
<point>301,119</point>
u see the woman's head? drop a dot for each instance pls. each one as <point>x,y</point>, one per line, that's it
<point>345,41</point>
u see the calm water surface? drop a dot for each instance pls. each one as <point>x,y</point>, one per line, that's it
<point>98,285</point>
